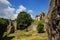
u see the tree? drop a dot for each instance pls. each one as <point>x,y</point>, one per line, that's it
<point>3,26</point>
<point>23,20</point>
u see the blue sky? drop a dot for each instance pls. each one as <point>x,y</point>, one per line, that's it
<point>34,7</point>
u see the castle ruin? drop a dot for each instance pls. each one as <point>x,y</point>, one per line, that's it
<point>40,17</point>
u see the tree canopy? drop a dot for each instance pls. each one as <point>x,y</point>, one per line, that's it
<point>23,20</point>
<point>3,26</point>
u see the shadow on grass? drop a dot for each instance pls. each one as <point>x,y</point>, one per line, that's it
<point>7,38</point>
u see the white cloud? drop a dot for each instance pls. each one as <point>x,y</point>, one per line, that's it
<point>30,11</point>
<point>15,15</point>
<point>5,2</point>
<point>21,8</point>
<point>5,10</point>
<point>7,13</point>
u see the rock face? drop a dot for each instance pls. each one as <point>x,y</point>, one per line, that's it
<point>12,27</point>
<point>33,26</point>
<point>39,17</point>
<point>52,21</point>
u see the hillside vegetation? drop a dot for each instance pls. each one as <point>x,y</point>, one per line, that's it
<point>3,26</point>
<point>30,35</point>
<point>24,23</point>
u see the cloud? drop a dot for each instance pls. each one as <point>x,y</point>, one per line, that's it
<point>21,8</point>
<point>15,15</point>
<point>6,2</point>
<point>30,11</point>
<point>9,13</point>
<point>5,10</point>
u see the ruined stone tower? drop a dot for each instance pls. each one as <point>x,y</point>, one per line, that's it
<point>52,21</point>
<point>40,16</point>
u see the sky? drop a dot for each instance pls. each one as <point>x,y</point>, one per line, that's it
<point>10,8</point>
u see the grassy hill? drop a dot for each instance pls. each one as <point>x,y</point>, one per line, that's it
<point>30,35</point>
<point>33,25</point>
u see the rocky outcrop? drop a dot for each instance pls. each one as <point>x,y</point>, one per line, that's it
<point>52,21</point>
<point>40,17</point>
<point>33,26</point>
<point>12,27</point>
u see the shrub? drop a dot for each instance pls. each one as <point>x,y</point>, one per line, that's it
<point>40,27</point>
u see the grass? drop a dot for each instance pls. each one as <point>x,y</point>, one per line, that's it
<point>31,35</point>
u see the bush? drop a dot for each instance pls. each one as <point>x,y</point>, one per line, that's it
<point>40,27</point>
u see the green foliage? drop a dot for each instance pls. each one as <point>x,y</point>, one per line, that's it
<point>42,21</point>
<point>40,27</point>
<point>3,26</point>
<point>23,20</point>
